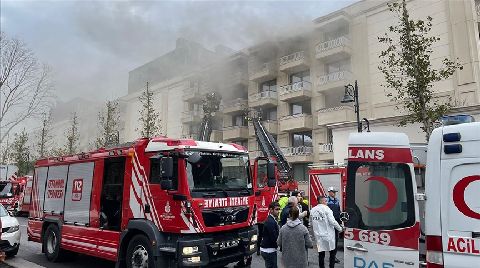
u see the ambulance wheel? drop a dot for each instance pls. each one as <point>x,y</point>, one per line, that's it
<point>51,244</point>
<point>139,253</point>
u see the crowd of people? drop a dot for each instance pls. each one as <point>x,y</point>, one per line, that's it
<point>286,230</point>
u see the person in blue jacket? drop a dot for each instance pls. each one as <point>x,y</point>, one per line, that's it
<point>334,204</point>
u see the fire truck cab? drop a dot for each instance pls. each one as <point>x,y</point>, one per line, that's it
<point>12,193</point>
<point>157,202</point>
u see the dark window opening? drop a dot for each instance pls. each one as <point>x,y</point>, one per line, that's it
<point>302,139</point>
<point>268,86</point>
<point>112,193</point>
<point>300,77</point>
<point>300,108</point>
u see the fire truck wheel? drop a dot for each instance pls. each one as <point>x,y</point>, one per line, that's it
<point>139,253</point>
<point>51,244</point>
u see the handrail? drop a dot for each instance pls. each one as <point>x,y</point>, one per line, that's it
<point>300,55</point>
<point>297,86</point>
<point>327,45</point>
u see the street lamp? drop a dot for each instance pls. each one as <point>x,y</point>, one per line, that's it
<point>351,95</point>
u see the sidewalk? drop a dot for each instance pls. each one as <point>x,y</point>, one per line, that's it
<point>17,262</point>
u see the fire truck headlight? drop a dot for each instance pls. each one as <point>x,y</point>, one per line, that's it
<point>254,238</point>
<point>195,259</point>
<point>190,250</point>
<point>252,247</point>
<point>12,229</point>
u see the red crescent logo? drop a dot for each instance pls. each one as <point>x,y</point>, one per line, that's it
<point>459,196</point>
<point>392,195</point>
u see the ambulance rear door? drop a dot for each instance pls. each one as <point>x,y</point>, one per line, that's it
<point>383,225</point>
<point>460,190</point>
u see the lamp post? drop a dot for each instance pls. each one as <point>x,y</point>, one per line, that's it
<point>351,95</point>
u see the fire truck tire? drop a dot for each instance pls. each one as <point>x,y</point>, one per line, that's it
<point>139,253</point>
<point>51,244</point>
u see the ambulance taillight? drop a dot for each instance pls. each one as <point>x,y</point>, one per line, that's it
<point>434,251</point>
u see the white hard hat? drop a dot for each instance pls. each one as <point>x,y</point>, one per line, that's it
<point>332,189</point>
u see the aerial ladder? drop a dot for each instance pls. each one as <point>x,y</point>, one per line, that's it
<point>269,148</point>
<point>211,105</point>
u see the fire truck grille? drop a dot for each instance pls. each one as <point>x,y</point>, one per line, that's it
<point>224,216</point>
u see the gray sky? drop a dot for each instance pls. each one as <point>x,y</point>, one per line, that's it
<point>91,45</point>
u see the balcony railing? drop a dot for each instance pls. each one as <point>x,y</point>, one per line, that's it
<point>300,55</point>
<point>303,85</point>
<point>264,95</point>
<point>333,77</point>
<point>325,148</point>
<point>302,150</point>
<point>338,42</point>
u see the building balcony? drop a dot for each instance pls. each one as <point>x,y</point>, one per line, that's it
<point>333,81</point>
<point>271,126</point>
<point>192,94</point>
<point>334,49</point>
<point>265,72</point>
<point>294,62</point>
<point>264,98</point>
<point>325,148</point>
<point>302,154</point>
<point>325,152</point>
<point>189,117</point>
<point>234,106</point>
<point>235,133</point>
<point>297,122</point>
<point>295,92</point>
<point>339,114</point>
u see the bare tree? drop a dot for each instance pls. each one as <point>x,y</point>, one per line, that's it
<point>44,135</point>
<point>73,136</point>
<point>5,151</point>
<point>148,116</point>
<point>25,88</point>
<point>108,121</point>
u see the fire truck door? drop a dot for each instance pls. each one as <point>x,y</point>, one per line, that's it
<point>383,228</point>
<point>264,195</point>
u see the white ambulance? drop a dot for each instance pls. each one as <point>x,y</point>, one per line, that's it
<point>383,227</point>
<point>452,218</point>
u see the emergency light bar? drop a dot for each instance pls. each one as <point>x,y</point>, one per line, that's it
<point>456,119</point>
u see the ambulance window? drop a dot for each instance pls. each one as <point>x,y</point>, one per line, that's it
<point>383,196</point>
<point>155,172</point>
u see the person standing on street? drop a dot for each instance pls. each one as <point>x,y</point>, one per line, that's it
<point>334,204</point>
<point>324,228</point>
<point>294,241</point>
<point>292,202</point>
<point>268,247</point>
<point>302,203</point>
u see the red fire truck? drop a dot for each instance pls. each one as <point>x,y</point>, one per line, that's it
<point>12,193</point>
<point>157,202</point>
<point>323,177</point>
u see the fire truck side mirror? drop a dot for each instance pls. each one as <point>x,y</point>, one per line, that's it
<point>166,173</point>
<point>272,181</point>
<point>166,167</point>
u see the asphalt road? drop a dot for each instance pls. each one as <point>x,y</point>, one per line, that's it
<point>31,253</point>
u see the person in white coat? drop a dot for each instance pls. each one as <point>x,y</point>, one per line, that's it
<point>324,225</point>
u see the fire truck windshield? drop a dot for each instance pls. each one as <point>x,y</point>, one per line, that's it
<point>3,211</point>
<point>5,189</point>
<point>218,172</point>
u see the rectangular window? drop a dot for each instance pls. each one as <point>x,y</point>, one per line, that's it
<point>302,139</point>
<point>337,66</point>
<point>329,135</point>
<point>300,172</point>
<point>239,120</point>
<point>269,114</point>
<point>268,86</point>
<point>301,108</point>
<point>300,76</point>
<point>382,196</point>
